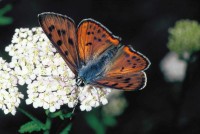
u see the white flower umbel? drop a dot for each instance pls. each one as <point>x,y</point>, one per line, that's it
<point>9,94</point>
<point>50,82</point>
<point>173,68</point>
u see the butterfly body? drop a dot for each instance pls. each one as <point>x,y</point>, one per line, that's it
<point>94,69</point>
<point>94,54</point>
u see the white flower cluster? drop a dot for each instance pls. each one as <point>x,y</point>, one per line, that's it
<point>51,83</point>
<point>9,94</point>
<point>173,68</point>
<point>50,93</point>
<point>92,97</point>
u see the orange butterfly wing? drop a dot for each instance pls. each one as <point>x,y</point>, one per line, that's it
<point>61,32</point>
<point>125,71</point>
<point>127,82</point>
<point>93,40</point>
<point>126,61</point>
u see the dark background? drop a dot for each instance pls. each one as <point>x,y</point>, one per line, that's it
<point>163,108</point>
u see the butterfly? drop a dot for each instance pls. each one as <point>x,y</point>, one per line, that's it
<point>94,54</point>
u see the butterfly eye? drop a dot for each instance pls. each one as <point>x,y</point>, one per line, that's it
<point>80,82</point>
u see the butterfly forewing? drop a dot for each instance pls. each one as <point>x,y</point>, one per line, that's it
<point>93,40</point>
<point>62,33</point>
<point>125,71</point>
<point>127,61</point>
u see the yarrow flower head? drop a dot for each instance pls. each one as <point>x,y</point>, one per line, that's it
<point>9,94</point>
<point>51,83</point>
<point>184,37</point>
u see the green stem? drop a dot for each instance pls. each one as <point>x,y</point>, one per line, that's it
<point>48,123</point>
<point>31,117</point>
<point>56,114</point>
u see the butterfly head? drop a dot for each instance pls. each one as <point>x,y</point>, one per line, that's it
<point>80,82</point>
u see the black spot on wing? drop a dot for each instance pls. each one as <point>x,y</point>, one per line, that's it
<point>127,79</point>
<point>66,53</point>
<point>51,28</point>
<point>105,83</point>
<point>70,41</point>
<point>115,84</point>
<point>133,57</point>
<point>103,36</point>
<point>99,31</point>
<point>88,33</point>
<point>59,42</point>
<point>133,66</point>
<point>120,77</point>
<point>61,32</point>
<point>49,35</point>
<point>129,85</point>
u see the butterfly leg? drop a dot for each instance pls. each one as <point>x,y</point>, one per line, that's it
<point>97,93</point>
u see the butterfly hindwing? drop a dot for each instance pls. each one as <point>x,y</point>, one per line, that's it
<point>125,71</point>
<point>128,82</point>
<point>93,40</point>
<point>61,31</point>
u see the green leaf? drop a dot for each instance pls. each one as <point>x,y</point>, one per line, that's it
<point>32,118</point>
<point>55,114</point>
<point>5,20</point>
<point>5,9</point>
<point>66,129</point>
<point>30,127</point>
<point>63,116</point>
<point>95,123</point>
<point>68,115</point>
<point>109,121</point>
